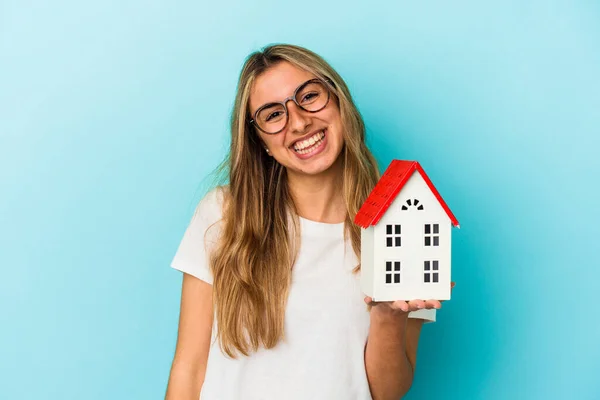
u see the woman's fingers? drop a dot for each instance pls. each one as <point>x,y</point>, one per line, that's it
<point>417,304</point>
<point>413,304</point>
<point>433,304</point>
<point>407,306</point>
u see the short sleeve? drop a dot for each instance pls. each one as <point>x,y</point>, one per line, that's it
<point>192,256</point>
<point>425,314</point>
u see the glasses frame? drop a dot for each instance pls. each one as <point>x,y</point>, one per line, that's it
<point>292,98</point>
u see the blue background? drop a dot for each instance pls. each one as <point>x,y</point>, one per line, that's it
<point>113,113</point>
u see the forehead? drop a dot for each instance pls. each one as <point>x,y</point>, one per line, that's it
<point>276,83</point>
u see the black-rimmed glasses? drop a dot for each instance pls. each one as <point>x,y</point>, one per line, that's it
<point>312,96</point>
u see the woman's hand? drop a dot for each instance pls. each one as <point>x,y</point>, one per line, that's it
<point>391,348</point>
<point>401,306</point>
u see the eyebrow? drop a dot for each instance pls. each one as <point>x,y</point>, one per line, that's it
<point>276,102</point>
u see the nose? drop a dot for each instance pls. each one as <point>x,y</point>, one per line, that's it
<point>298,119</point>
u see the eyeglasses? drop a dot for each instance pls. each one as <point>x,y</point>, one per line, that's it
<point>312,96</point>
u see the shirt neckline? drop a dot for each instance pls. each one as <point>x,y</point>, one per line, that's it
<point>321,228</point>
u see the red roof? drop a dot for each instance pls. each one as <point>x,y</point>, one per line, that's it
<point>390,184</point>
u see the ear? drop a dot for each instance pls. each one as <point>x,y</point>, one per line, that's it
<point>264,146</point>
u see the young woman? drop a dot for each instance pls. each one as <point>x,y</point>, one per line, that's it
<point>271,304</point>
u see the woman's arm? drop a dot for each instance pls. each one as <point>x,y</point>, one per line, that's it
<point>413,332</point>
<point>391,349</point>
<point>193,340</point>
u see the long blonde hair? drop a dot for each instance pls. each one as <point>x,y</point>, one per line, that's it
<point>252,261</point>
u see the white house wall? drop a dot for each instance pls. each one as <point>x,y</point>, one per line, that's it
<point>412,253</point>
<point>366,256</point>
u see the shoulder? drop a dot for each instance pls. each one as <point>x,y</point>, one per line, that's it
<point>208,215</point>
<point>212,204</point>
<point>201,235</point>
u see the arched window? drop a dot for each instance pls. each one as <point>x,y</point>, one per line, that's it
<point>412,203</point>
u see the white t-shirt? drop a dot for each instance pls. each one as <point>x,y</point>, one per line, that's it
<point>326,321</point>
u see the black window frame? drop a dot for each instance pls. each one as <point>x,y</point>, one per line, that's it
<point>393,272</point>
<point>393,235</point>
<point>431,271</point>
<point>431,233</point>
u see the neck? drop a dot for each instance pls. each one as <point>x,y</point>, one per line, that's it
<point>319,197</point>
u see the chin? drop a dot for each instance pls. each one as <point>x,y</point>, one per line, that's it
<point>314,167</point>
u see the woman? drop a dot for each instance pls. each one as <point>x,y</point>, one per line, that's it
<point>271,305</point>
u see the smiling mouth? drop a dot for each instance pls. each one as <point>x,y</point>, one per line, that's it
<point>307,145</point>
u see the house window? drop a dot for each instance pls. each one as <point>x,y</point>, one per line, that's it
<point>412,203</point>
<point>432,235</point>
<point>392,272</point>
<point>432,271</point>
<point>392,236</point>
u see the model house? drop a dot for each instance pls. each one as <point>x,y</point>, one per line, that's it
<point>405,237</point>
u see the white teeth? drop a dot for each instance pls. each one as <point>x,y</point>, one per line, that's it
<point>302,147</point>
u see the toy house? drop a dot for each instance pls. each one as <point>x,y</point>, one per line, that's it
<point>405,237</point>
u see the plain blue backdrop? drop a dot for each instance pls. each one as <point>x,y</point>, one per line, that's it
<point>113,113</point>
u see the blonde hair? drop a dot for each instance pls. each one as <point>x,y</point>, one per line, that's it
<point>252,261</point>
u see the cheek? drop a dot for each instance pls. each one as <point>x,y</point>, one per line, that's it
<point>335,120</point>
<point>334,116</point>
<point>272,141</point>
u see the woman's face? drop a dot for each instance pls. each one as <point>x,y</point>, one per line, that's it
<point>310,143</point>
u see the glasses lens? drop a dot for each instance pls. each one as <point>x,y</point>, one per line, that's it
<point>271,118</point>
<point>313,96</point>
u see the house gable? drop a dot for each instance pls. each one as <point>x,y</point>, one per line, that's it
<point>389,186</point>
<point>414,203</point>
